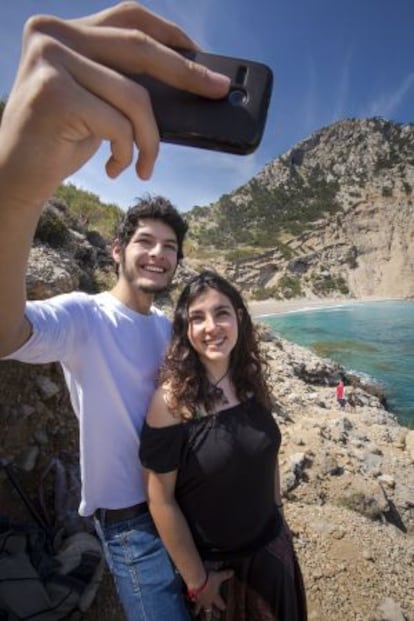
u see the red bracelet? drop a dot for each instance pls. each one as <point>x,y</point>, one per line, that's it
<point>192,594</point>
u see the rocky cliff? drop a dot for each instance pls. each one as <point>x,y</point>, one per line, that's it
<point>334,215</point>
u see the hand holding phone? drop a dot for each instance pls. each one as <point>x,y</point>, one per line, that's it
<point>234,124</point>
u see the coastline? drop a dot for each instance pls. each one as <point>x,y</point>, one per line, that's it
<point>271,306</point>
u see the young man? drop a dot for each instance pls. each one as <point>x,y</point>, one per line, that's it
<point>110,346</point>
<point>69,95</point>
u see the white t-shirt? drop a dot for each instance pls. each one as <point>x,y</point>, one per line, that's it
<point>110,356</point>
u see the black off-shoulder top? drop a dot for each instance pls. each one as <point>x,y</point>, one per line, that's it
<point>225,479</point>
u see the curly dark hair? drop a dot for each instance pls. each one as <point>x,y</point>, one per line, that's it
<point>154,208</point>
<point>184,373</point>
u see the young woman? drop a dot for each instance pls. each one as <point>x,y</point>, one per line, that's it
<point>210,447</point>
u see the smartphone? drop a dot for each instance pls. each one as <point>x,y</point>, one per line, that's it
<point>234,124</point>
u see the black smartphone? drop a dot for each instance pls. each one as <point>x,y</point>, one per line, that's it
<point>233,124</point>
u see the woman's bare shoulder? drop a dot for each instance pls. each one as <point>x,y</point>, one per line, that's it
<point>159,413</point>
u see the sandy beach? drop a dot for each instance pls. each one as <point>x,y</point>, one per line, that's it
<point>278,307</point>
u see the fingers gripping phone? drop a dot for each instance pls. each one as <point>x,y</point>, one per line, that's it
<point>234,124</point>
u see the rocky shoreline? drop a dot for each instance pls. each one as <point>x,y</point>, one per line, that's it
<point>348,487</point>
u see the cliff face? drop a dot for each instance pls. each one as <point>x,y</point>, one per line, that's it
<point>333,215</point>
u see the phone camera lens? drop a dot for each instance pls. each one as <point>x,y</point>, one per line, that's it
<point>237,97</point>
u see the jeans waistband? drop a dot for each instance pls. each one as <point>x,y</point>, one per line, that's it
<point>109,516</point>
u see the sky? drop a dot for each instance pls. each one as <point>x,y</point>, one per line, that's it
<point>332,59</point>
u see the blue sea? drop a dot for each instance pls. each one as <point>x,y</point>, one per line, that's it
<point>374,339</point>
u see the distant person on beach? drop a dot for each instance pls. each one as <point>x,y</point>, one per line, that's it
<point>210,444</point>
<point>340,393</point>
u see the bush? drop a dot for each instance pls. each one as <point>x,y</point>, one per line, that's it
<point>289,286</point>
<point>51,230</point>
<point>240,254</point>
<point>265,293</point>
<point>325,285</point>
<point>100,216</point>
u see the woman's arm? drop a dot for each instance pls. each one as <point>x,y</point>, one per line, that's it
<point>172,525</point>
<point>173,528</point>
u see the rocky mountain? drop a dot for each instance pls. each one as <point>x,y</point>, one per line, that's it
<point>334,215</point>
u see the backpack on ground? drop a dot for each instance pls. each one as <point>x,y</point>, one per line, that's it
<point>46,572</point>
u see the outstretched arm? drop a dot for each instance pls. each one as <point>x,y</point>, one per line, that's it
<point>69,95</point>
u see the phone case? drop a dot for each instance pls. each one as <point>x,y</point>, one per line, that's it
<point>234,124</point>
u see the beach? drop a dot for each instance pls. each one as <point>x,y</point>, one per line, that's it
<point>278,307</point>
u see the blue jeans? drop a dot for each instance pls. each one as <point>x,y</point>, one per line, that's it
<point>148,585</point>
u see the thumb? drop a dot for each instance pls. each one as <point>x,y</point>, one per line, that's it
<point>223,576</point>
<point>226,574</point>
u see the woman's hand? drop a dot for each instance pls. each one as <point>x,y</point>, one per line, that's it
<point>210,597</point>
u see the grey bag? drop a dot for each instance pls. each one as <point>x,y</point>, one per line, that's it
<point>45,573</point>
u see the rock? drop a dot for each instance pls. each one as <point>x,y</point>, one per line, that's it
<point>27,410</point>
<point>387,480</point>
<point>28,459</point>
<point>409,443</point>
<point>288,482</point>
<point>368,555</point>
<point>40,437</point>
<point>330,466</point>
<point>391,610</point>
<point>47,386</point>
<point>400,438</point>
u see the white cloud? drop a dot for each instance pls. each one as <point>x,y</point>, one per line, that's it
<point>342,95</point>
<point>310,99</point>
<point>387,104</point>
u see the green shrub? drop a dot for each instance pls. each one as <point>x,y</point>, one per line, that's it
<point>290,286</point>
<point>100,216</point>
<point>325,285</point>
<point>264,293</point>
<point>51,230</point>
<point>240,254</point>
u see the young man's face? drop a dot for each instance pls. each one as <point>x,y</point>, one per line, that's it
<point>149,260</point>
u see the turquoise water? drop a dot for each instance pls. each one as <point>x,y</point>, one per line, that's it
<point>374,339</point>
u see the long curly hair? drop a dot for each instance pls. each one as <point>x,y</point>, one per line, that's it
<point>182,372</point>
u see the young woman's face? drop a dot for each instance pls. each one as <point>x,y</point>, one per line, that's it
<point>212,326</point>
